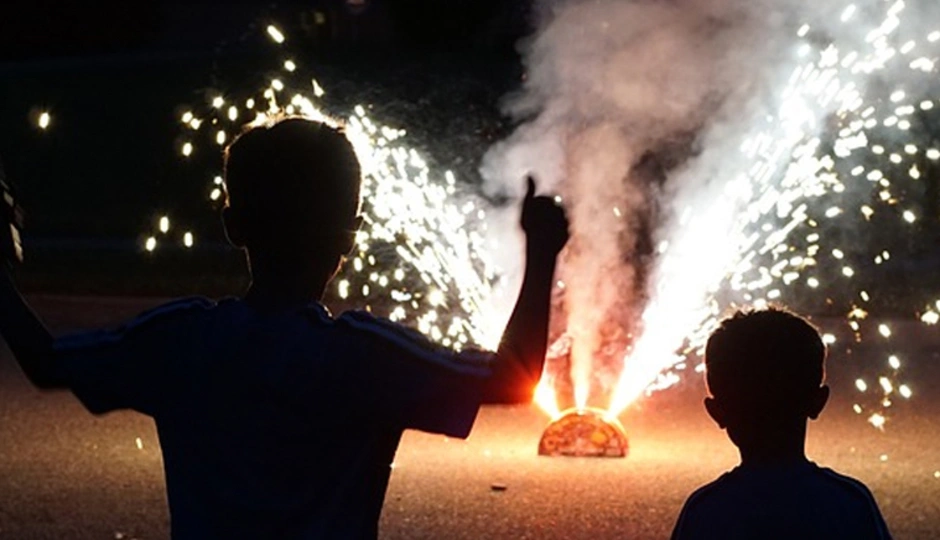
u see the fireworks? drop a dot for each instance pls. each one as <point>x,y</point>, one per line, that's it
<point>422,257</point>
<point>840,152</point>
<point>584,433</point>
<point>841,148</point>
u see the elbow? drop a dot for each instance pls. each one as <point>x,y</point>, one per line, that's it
<point>45,381</point>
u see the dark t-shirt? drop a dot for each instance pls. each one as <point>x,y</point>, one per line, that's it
<point>801,501</point>
<point>275,426</point>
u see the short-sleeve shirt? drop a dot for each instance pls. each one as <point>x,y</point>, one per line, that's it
<point>275,425</point>
<point>800,500</point>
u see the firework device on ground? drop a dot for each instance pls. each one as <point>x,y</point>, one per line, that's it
<point>11,222</point>
<point>584,433</point>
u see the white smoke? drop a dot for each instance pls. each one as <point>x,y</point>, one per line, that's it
<point>612,85</point>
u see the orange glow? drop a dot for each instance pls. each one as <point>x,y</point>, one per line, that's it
<point>545,397</point>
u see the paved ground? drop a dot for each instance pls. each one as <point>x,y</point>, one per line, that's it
<point>66,474</point>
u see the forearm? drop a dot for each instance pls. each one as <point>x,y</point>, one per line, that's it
<point>26,336</point>
<point>521,353</point>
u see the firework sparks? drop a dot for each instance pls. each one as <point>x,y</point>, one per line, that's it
<point>422,256</point>
<point>782,197</point>
<point>832,150</point>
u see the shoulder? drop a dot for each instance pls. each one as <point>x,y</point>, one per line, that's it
<point>168,313</point>
<point>709,492</point>
<point>369,328</point>
<point>368,325</point>
<point>181,307</point>
<point>395,338</point>
<point>696,507</point>
<point>852,488</point>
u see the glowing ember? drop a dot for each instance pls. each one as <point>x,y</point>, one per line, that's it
<point>584,433</point>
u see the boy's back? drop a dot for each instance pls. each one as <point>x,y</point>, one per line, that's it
<point>274,426</point>
<point>800,501</point>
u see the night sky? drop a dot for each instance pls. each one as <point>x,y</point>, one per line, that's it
<point>116,78</point>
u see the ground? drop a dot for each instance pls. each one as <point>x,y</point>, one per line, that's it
<point>67,474</point>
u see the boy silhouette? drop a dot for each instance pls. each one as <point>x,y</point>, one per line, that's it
<point>764,371</point>
<point>277,420</point>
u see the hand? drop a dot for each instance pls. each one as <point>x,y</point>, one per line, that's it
<point>544,222</point>
<point>11,221</point>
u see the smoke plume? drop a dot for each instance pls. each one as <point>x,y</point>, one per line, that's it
<point>632,111</point>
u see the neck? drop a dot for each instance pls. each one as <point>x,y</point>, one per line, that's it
<point>780,446</point>
<point>282,287</point>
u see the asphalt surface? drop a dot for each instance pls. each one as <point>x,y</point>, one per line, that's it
<point>67,474</point>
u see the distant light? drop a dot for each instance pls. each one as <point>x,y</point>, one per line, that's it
<point>905,391</point>
<point>289,65</point>
<point>150,244</point>
<point>829,339</point>
<point>931,318</point>
<point>847,271</point>
<point>275,34</point>
<point>909,216</point>
<point>216,194</point>
<point>218,101</point>
<point>884,330</point>
<point>217,180</point>
<point>164,224</point>
<point>233,113</point>
<point>188,239</point>
<point>886,385</point>
<point>894,362</point>
<point>277,85</point>
<point>187,149</point>
<point>44,120</point>
<point>861,385</point>
<point>187,117</point>
<point>220,137</point>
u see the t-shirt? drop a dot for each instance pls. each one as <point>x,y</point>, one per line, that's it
<point>800,500</point>
<point>275,425</point>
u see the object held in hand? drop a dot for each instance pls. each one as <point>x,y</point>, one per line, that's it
<point>11,222</point>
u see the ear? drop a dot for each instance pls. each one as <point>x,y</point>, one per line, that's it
<point>349,240</point>
<point>715,410</point>
<point>817,402</point>
<point>231,222</point>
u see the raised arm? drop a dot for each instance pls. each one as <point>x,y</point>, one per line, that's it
<point>521,353</point>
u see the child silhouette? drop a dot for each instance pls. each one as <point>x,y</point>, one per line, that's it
<point>765,372</point>
<point>277,420</point>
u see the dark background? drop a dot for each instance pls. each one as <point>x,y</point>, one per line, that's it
<point>116,78</point>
